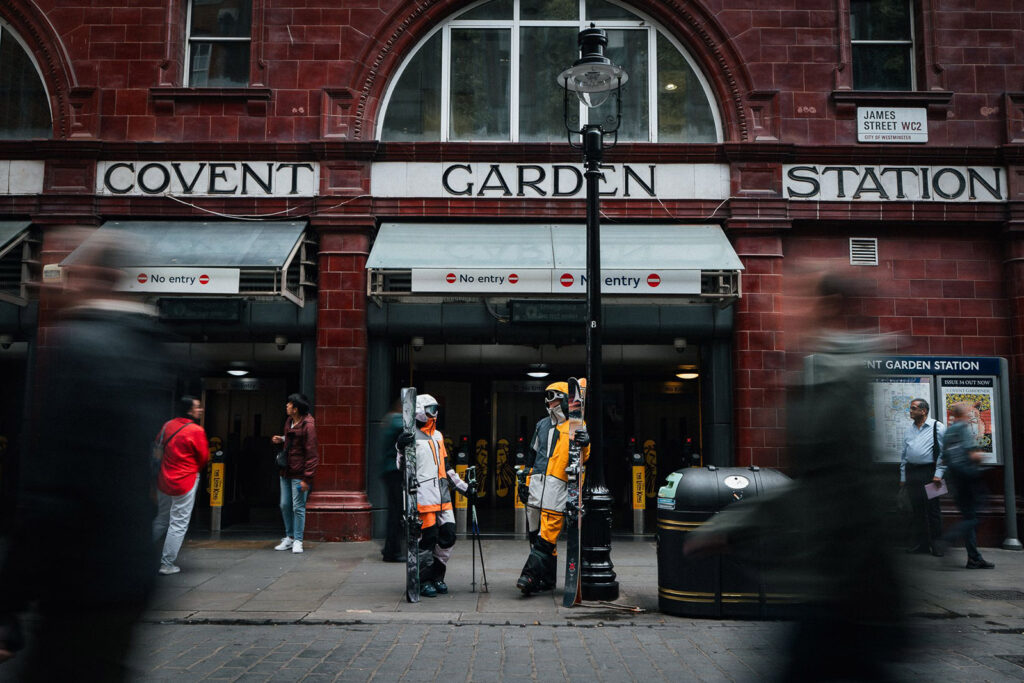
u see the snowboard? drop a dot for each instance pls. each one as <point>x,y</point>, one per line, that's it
<point>574,502</point>
<point>412,514</point>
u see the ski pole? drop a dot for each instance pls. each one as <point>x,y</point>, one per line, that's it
<point>479,543</point>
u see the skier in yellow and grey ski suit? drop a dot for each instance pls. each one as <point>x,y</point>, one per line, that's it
<point>545,507</point>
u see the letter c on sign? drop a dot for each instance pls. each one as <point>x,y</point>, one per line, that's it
<point>108,178</point>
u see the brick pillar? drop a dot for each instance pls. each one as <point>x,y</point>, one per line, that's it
<point>338,508</point>
<point>759,353</point>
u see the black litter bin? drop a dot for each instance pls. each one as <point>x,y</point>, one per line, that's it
<point>717,585</point>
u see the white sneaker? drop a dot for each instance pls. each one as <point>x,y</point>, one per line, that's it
<point>297,547</point>
<point>169,569</point>
<point>285,543</point>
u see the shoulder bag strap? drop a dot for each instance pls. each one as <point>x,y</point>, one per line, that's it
<point>166,443</point>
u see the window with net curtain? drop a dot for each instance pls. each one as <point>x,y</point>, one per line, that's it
<point>499,80</point>
<point>24,104</point>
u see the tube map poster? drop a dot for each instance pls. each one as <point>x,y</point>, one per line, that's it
<point>889,406</point>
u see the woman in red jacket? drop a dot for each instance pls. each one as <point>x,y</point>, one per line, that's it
<point>299,441</point>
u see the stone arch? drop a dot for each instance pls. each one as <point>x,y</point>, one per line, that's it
<point>695,28</point>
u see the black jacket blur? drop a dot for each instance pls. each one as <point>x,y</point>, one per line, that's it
<point>102,388</point>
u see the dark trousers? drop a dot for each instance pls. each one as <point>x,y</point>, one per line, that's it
<point>926,516</point>
<point>966,493</point>
<point>393,524</point>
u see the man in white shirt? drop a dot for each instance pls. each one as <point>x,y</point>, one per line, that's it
<point>922,445</point>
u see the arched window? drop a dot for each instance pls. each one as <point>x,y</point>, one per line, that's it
<point>24,103</point>
<point>489,74</point>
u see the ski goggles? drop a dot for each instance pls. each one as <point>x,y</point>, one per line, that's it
<point>552,395</point>
<point>430,410</point>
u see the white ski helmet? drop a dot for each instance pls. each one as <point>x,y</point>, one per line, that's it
<point>426,407</point>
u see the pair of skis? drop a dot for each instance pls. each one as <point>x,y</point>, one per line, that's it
<point>412,513</point>
<point>574,501</point>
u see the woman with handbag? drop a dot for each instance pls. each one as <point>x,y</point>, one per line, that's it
<point>297,466</point>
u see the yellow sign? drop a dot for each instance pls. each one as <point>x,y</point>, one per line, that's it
<point>639,497</point>
<point>217,484</point>
<point>461,503</point>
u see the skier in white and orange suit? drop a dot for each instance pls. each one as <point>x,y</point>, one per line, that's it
<point>434,495</point>
<point>545,506</point>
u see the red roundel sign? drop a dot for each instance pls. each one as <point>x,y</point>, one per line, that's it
<point>653,280</point>
<point>142,278</point>
<point>204,279</point>
<point>513,278</point>
<point>566,279</point>
<point>450,278</point>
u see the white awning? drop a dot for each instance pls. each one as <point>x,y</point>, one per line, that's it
<point>212,257</point>
<point>410,259</point>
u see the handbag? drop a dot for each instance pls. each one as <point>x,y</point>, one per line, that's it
<point>281,459</point>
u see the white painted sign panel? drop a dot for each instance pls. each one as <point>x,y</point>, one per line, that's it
<point>892,124</point>
<point>849,183</point>
<point>558,281</point>
<point>208,178</point>
<point>453,180</point>
<point>181,280</point>
<point>21,177</point>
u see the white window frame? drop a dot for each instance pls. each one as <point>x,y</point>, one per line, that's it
<point>646,24</point>
<point>911,44</point>
<point>190,42</point>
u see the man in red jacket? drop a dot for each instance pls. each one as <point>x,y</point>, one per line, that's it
<point>185,452</point>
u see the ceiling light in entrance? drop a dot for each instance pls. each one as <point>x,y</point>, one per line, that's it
<point>238,369</point>
<point>687,372</point>
<point>537,371</point>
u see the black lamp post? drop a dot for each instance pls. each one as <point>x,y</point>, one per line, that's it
<point>594,78</point>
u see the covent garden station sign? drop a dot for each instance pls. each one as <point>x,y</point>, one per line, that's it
<point>801,182</point>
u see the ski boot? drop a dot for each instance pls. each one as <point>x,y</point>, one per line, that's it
<point>441,586</point>
<point>428,590</point>
<point>537,565</point>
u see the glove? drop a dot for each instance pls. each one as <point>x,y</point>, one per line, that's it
<point>405,439</point>
<point>582,438</point>
<point>470,491</point>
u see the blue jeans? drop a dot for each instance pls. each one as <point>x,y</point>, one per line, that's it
<point>293,507</point>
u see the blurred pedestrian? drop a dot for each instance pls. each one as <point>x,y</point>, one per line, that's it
<point>824,537</point>
<point>302,457</point>
<point>82,544</point>
<point>962,457</point>
<point>919,466</point>
<point>851,625</point>
<point>184,454</point>
<point>393,479</point>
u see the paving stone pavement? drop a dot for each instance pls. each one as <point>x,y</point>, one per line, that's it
<point>240,611</point>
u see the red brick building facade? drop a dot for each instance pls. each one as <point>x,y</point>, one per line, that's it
<point>310,82</point>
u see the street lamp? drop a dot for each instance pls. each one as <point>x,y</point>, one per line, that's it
<point>593,78</point>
